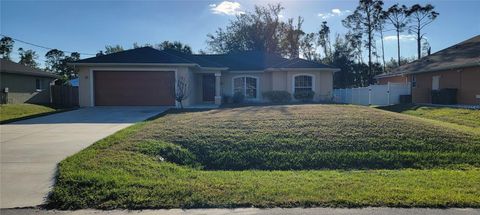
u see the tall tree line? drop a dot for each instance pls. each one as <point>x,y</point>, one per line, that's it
<point>263,30</point>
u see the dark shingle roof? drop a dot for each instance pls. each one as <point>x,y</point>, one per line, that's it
<point>138,55</point>
<point>7,66</point>
<point>464,54</point>
<point>248,60</point>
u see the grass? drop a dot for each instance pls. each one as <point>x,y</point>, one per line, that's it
<point>285,156</point>
<point>10,112</point>
<point>460,116</point>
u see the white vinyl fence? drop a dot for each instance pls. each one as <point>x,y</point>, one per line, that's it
<point>388,94</point>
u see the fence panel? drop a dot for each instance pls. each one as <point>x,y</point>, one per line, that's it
<point>64,96</point>
<point>372,95</point>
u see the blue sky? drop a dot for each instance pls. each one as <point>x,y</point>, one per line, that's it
<point>87,26</point>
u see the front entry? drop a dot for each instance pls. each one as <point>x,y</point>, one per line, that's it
<point>208,83</point>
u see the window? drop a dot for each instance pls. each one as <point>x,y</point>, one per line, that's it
<point>414,81</point>
<point>38,84</point>
<point>245,85</point>
<point>435,82</point>
<point>303,83</point>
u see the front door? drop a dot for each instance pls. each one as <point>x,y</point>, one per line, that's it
<point>208,83</point>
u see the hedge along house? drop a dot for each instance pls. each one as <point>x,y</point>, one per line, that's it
<point>147,76</point>
<point>24,84</point>
<point>456,67</point>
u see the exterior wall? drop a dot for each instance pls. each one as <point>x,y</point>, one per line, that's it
<point>283,81</point>
<point>394,79</point>
<point>22,88</point>
<point>466,81</point>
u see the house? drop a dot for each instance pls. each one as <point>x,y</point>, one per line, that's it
<point>24,84</point>
<point>147,76</point>
<point>456,67</point>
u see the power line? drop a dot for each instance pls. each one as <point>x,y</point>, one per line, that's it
<point>43,47</point>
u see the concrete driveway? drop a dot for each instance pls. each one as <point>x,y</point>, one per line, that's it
<point>31,149</point>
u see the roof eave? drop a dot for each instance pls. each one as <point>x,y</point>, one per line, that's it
<point>429,70</point>
<point>304,69</point>
<point>133,64</point>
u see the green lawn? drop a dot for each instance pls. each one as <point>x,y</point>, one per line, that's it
<point>466,117</point>
<point>286,156</point>
<point>15,111</point>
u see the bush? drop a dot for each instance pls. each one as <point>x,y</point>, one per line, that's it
<point>227,99</point>
<point>278,96</point>
<point>238,98</point>
<point>168,152</point>
<point>304,96</point>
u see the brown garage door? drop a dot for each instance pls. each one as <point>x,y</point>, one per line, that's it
<point>134,88</point>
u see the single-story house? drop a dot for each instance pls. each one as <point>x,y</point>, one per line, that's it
<point>147,76</point>
<point>456,67</point>
<point>24,84</point>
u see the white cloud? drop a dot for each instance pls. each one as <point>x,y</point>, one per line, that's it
<point>227,8</point>
<point>334,12</point>
<point>403,37</point>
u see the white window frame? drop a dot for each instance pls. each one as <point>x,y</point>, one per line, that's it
<point>257,79</point>
<point>436,82</point>
<point>303,74</point>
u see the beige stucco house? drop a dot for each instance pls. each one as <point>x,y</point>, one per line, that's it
<point>147,76</point>
<point>23,84</point>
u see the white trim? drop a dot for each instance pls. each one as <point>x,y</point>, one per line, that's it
<point>246,71</point>
<point>92,94</point>
<point>257,96</point>
<point>91,70</point>
<point>302,74</point>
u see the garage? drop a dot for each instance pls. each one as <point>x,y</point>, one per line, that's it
<point>134,88</point>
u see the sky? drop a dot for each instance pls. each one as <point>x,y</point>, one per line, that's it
<point>86,26</point>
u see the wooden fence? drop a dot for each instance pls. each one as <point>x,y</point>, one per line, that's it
<point>64,96</point>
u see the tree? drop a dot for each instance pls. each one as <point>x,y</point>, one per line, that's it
<point>58,63</point>
<point>176,45</point>
<point>6,47</point>
<point>28,57</point>
<point>259,30</point>
<point>291,38</point>
<point>421,17</point>
<point>381,30</point>
<point>112,49</point>
<point>183,91</point>
<point>364,21</point>
<point>324,39</point>
<point>308,48</point>
<point>398,18</point>
<point>53,60</point>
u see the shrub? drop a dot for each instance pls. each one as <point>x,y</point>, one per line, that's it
<point>167,151</point>
<point>238,98</point>
<point>278,96</point>
<point>227,99</point>
<point>304,96</point>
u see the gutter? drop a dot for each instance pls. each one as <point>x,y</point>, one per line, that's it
<point>132,64</point>
<point>430,70</point>
<point>304,69</point>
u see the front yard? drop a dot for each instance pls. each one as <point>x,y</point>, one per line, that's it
<point>286,156</point>
<point>460,116</point>
<point>10,112</point>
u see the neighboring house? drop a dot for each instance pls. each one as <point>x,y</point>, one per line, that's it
<point>23,84</point>
<point>456,67</point>
<point>147,76</point>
